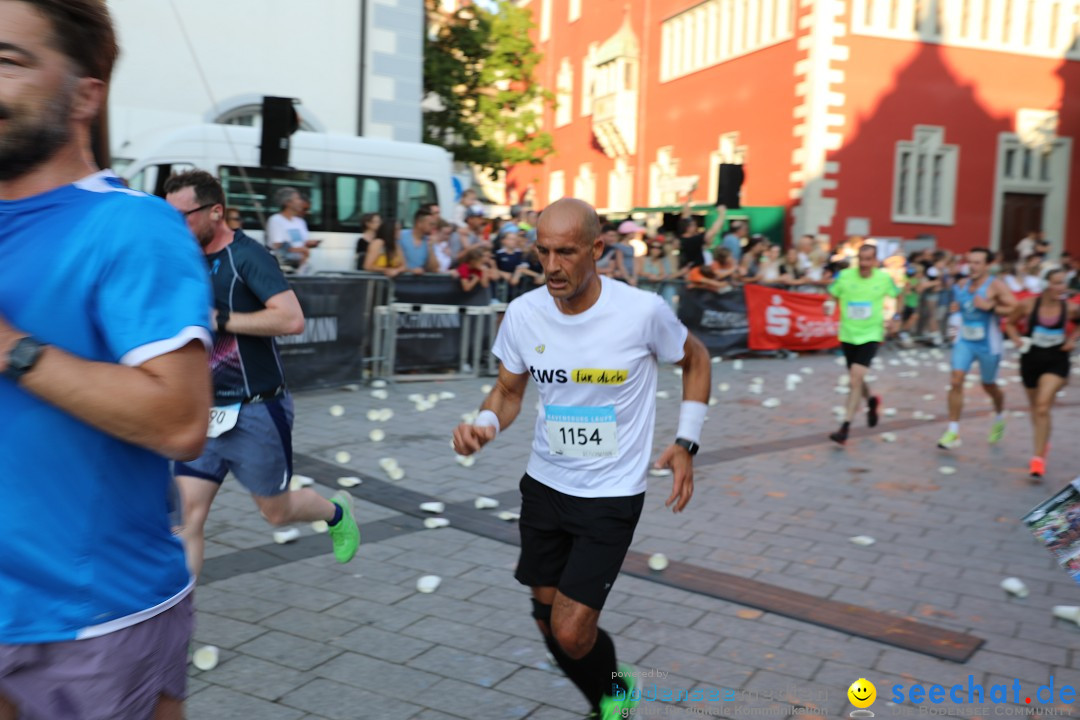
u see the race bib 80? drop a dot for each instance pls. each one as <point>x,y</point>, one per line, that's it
<point>585,432</point>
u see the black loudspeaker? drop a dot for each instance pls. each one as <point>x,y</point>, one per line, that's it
<point>279,122</point>
<point>729,186</point>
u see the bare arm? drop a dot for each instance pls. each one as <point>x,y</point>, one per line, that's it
<point>505,401</point>
<point>468,284</point>
<point>162,405</point>
<point>697,380</point>
<point>721,213</point>
<point>1002,298</point>
<point>281,316</point>
<point>1019,310</point>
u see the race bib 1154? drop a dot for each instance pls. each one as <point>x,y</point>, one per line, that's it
<point>585,432</point>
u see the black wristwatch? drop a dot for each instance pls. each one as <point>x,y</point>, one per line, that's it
<point>23,357</point>
<point>689,445</point>
<point>222,320</point>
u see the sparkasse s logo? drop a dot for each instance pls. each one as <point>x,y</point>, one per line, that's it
<point>777,317</point>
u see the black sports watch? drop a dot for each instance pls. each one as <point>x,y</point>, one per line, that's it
<point>689,445</point>
<point>23,357</point>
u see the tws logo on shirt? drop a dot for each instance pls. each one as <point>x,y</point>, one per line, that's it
<point>580,376</point>
<point>548,376</point>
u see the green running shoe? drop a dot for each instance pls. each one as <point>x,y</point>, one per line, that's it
<point>997,431</point>
<point>622,704</point>
<point>949,440</point>
<point>346,535</point>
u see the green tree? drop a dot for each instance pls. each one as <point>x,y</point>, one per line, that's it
<point>481,100</point>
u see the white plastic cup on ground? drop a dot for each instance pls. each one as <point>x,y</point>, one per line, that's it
<point>433,507</point>
<point>658,561</point>
<point>206,657</point>
<point>428,583</point>
<point>1014,586</point>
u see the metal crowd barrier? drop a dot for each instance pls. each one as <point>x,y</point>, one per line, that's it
<point>445,354</point>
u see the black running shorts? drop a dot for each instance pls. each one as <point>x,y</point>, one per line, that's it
<point>1038,362</point>
<point>859,354</point>
<point>572,543</point>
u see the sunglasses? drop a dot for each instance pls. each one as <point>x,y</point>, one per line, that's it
<point>189,213</point>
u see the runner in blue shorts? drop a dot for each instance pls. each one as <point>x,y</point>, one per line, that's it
<point>977,303</point>
<point>250,432</point>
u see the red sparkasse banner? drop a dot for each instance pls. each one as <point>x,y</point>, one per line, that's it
<point>782,320</point>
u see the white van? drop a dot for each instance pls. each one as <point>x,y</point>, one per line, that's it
<point>343,176</point>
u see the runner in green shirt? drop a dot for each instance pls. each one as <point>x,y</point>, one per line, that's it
<point>861,291</point>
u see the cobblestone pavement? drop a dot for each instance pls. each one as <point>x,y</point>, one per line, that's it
<point>303,637</point>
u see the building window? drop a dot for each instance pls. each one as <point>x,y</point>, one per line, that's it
<point>575,10</point>
<point>924,188</point>
<point>545,20</point>
<point>1029,27</point>
<point>588,80</point>
<point>556,186</point>
<point>715,31</point>
<point>564,94</point>
<point>585,184</point>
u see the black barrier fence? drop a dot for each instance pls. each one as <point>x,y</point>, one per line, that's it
<point>718,319</point>
<point>337,337</point>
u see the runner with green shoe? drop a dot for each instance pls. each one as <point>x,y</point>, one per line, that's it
<point>250,432</point>
<point>861,291</point>
<point>976,305</point>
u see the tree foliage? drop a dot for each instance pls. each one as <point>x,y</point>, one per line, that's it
<point>481,100</point>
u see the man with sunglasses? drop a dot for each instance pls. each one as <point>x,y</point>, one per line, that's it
<point>250,431</point>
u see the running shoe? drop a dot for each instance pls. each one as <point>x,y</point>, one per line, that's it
<point>997,431</point>
<point>1037,467</point>
<point>617,708</point>
<point>840,436</point>
<point>949,440</point>
<point>346,535</point>
<point>871,410</point>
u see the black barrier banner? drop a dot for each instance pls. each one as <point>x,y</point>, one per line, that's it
<point>437,290</point>
<point>718,319</point>
<point>330,351</point>
<point>428,341</point>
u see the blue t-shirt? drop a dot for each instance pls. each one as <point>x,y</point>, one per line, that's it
<point>110,275</point>
<point>416,256</point>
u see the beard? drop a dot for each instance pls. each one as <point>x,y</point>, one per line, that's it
<point>30,140</point>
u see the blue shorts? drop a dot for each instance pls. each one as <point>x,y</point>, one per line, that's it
<point>258,451</point>
<point>964,353</point>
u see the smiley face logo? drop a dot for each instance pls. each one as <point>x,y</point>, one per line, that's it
<point>862,693</point>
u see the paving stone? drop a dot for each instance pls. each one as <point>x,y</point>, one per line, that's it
<point>250,675</point>
<point>339,701</point>
<point>221,703</point>
<point>377,643</point>
<point>289,650</point>
<point>224,632</point>
<point>312,626</point>
<point>377,675</point>
<point>462,665</point>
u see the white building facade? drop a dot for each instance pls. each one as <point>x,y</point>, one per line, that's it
<point>355,65</point>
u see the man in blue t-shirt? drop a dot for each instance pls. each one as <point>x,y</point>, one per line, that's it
<point>103,339</point>
<point>250,431</point>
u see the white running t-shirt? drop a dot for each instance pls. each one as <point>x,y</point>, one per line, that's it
<point>596,372</point>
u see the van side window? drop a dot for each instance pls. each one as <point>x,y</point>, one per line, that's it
<point>251,190</point>
<point>354,196</point>
<point>411,195</point>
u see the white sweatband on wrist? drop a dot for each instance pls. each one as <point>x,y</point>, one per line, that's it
<point>691,420</point>
<point>487,418</point>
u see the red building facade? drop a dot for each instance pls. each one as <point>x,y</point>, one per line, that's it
<point>894,118</point>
